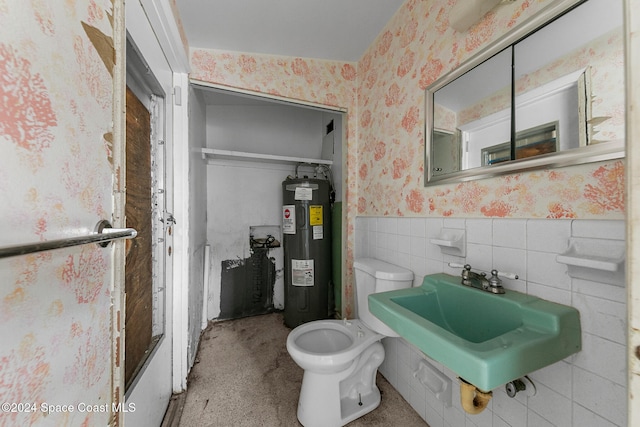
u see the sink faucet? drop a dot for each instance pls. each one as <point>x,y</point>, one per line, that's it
<point>479,280</point>
<point>473,279</point>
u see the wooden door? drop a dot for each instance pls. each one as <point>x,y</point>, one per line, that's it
<point>138,266</point>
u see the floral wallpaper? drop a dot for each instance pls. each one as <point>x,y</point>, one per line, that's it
<point>384,96</point>
<point>416,49</point>
<point>56,179</point>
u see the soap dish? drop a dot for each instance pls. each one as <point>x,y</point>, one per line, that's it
<point>451,241</point>
<point>434,380</point>
<point>596,260</point>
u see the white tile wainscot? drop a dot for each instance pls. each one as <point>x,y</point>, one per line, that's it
<point>587,389</point>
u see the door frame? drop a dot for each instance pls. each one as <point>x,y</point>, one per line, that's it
<point>158,15</point>
<point>119,220</point>
<point>632,63</point>
<point>151,389</point>
<point>155,33</point>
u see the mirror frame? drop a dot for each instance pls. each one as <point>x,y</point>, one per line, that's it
<point>593,153</point>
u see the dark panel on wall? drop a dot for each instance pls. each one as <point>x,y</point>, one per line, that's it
<point>247,285</point>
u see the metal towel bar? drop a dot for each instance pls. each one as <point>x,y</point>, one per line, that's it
<point>103,234</point>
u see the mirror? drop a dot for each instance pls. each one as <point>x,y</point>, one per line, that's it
<point>549,94</point>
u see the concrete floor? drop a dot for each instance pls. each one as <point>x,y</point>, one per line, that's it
<point>243,376</point>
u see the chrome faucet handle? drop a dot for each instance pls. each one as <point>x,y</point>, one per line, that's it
<point>466,268</point>
<point>494,280</point>
<point>494,284</point>
<point>495,273</point>
<point>511,276</point>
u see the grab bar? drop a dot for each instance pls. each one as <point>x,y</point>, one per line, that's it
<point>103,234</point>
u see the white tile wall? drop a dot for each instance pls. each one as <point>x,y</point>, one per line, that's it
<point>586,389</point>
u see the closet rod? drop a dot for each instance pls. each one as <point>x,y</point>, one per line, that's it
<point>103,234</point>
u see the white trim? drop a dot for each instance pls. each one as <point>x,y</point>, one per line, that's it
<point>216,153</point>
<point>160,15</point>
<point>282,99</point>
<point>632,119</point>
<point>181,237</point>
<point>548,89</point>
<point>205,294</point>
<point>118,219</point>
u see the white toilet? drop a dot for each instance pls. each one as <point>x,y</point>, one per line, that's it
<point>340,358</point>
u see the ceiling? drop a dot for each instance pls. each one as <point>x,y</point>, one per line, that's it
<point>339,30</point>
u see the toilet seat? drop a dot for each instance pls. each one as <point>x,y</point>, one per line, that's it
<point>326,346</point>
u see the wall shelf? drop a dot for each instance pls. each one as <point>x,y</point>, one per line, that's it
<point>215,153</point>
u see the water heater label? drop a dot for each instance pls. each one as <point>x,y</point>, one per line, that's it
<point>318,232</point>
<point>302,273</point>
<point>304,193</point>
<point>289,219</point>
<point>315,215</point>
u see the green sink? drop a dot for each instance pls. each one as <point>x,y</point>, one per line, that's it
<point>485,338</point>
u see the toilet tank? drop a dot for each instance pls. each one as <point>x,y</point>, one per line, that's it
<point>373,276</point>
